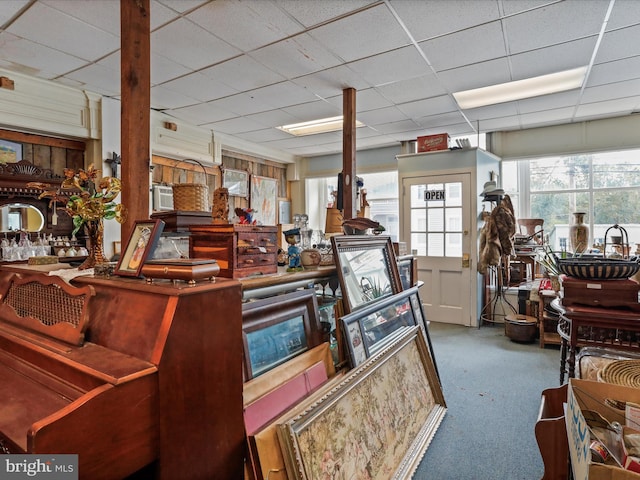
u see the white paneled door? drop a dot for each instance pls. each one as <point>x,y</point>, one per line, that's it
<point>438,221</point>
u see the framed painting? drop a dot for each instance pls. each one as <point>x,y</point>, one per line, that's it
<point>367,269</point>
<point>236,182</point>
<point>264,194</point>
<point>354,428</point>
<point>139,247</point>
<point>277,329</point>
<point>369,329</point>
<point>10,152</point>
<point>284,211</point>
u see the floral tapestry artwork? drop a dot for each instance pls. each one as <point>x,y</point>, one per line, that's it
<point>368,433</point>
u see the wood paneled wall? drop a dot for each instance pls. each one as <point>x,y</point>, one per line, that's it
<point>168,171</point>
<point>48,152</point>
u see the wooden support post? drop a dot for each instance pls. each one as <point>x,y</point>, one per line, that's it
<point>136,105</point>
<point>348,152</point>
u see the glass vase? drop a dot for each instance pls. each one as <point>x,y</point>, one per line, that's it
<point>95,233</point>
<point>578,234</point>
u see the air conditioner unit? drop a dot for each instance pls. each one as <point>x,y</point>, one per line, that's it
<point>162,197</point>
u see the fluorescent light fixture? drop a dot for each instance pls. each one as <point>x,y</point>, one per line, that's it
<point>323,125</point>
<point>519,89</point>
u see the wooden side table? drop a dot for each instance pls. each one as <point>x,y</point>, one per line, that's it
<point>582,326</point>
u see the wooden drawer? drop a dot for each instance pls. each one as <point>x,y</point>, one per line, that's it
<point>241,250</point>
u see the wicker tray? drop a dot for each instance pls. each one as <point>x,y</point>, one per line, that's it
<point>621,372</point>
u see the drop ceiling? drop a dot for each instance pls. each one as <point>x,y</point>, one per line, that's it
<point>244,67</point>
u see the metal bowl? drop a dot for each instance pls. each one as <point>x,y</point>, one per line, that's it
<point>598,268</point>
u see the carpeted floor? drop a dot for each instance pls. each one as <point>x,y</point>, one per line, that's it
<point>492,388</point>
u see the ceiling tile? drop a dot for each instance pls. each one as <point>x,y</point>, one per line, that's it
<point>624,14</point>
<point>507,109</point>
<point>628,88</point>
<point>619,44</point>
<point>188,44</point>
<point>36,59</point>
<point>264,135</point>
<point>50,27</point>
<point>332,81</point>
<point>275,117</point>
<point>549,102</point>
<point>432,19</point>
<point>296,56</point>
<point>437,121</point>
<point>182,6</point>
<point>163,69</point>
<point>553,59</point>
<point>103,14</point>
<point>283,94</point>
<point>241,104</point>
<point>315,13</point>
<point>392,66</point>
<point>245,25</point>
<point>476,75</point>
<point>473,45</point>
<point>409,90</point>
<point>162,98</point>
<point>397,127</point>
<point>10,8</point>
<point>615,71</point>
<point>103,80</point>
<point>545,117</point>
<point>198,86</point>
<point>201,114</point>
<point>382,115</point>
<point>371,32</point>
<point>554,23</point>
<point>242,73</point>
<point>313,111</point>
<point>234,126</point>
<point>429,106</point>
<point>623,106</point>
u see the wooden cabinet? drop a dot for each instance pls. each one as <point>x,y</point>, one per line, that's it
<point>241,250</point>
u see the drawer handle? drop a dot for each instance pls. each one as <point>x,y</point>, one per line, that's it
<point>249,261</point>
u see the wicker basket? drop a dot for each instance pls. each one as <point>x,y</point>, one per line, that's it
<point>621,372</point>
<point>191,197</point>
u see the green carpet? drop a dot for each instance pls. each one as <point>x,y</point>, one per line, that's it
<point>492,388</point>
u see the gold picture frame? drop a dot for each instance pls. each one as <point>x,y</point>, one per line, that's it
<point>356,416</point>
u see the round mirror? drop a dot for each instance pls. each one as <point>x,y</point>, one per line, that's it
<point>20,216</point>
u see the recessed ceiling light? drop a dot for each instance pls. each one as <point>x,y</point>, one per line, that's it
<point>324,125</point>
<point>519,89</point>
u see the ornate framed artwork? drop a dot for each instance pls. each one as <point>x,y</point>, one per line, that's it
<point>236,181</point>
<point>263,199</point>
<point>140,246</point>
<point>356,425</point>
<point>367,269</point>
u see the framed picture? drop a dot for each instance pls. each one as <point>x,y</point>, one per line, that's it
<point>277,329</point>
<point>356,424</point>
<point>284,211</point>
<point>264,194</point>
<point>236,181</point>
<point>10,152</point>
<point>367,269</point>
<point>142,242</point>
<point>369,329</point>
<point>408,270</point>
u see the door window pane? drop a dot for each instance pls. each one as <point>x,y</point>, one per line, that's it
<point>435,245</point>
<point>436,219</point>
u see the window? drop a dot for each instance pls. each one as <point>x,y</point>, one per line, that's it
<point>382,196</point>
<point>604,185</point>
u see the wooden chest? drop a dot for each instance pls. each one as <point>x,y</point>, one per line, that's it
<point>241,250</point>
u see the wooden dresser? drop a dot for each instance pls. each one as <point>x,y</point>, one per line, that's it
<point>241,250</point>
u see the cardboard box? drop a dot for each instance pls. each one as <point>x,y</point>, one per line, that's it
<point>432,143</point>
<point>589,395</point>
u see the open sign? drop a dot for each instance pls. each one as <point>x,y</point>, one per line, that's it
<point>433,195</point>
